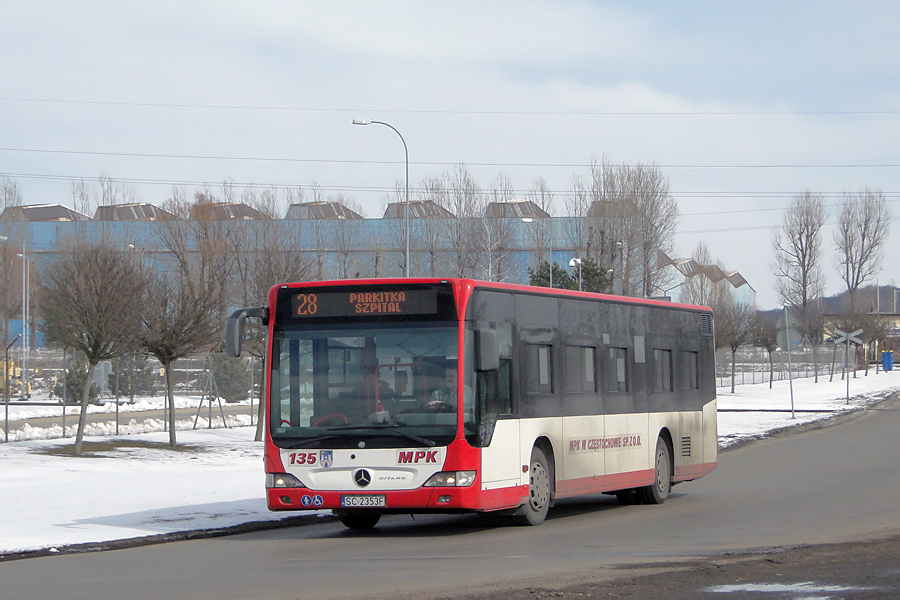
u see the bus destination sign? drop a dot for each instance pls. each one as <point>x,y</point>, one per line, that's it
<point>361,304</point>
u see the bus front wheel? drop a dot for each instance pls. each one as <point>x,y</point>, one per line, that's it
<point>658,491</point>
<point>534,511</point>
<point>359,520</point>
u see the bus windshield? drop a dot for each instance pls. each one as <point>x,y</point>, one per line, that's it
<point>388,385</point>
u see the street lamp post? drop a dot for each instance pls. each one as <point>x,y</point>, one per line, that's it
<point>6,388</point>
<point>549,244</point>
<point>666,291</point>
<point>620,246</point>
<point>406,154</point>
<point>26,283</point>
<point>572,264</point>
<point>5,241</point>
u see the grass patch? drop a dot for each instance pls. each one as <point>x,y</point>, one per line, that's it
<point>117,447</point>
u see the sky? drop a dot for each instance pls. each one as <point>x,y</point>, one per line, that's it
<point>741,104</point>
<point>233,490</point>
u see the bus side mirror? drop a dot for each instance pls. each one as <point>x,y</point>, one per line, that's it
<point>234,328</point>
<point>487,350</point>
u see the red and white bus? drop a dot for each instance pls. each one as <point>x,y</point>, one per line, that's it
<point>455,395</point>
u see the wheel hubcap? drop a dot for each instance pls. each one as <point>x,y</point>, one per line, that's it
<point>662,471</point>
<point>540,486</point>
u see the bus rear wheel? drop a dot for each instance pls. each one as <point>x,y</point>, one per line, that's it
<point>658,491</point>
<point>534,511</point>
<point>359,520</point>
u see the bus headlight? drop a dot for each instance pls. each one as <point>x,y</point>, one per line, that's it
<point>282,480</point>
<point>451,479</point>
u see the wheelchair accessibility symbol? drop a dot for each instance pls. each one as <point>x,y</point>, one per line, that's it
<point>318,500</point>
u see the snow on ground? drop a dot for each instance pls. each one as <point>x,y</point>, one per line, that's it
<point>24,411</point>
<point>134,485</point>
<point>127,424</point>
<point>808,396</point>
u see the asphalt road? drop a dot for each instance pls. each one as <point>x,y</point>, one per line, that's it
<point>838,484</point>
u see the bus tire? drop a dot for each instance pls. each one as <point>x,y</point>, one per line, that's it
<point>658,491</point>
<point>359,520</point>
<point>534,511</point>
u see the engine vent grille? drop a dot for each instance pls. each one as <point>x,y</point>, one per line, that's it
<point>685,446</point>
<point>706,327</point>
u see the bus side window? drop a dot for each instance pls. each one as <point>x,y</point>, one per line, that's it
<point>662,376</point>
<point>504,387</point>
<point>690,377</point>
<point>618,380</point>
<point>539,366</point>
<point>494,389</point>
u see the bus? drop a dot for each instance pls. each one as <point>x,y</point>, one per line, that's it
<point>455,395</point>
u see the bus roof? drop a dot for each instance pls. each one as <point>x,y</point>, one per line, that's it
<point>471,284</point>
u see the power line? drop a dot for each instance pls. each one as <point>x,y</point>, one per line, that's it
<point>753,228</point>
<point>726,230</point>
<point>454,112</point>
<point>438,164</point>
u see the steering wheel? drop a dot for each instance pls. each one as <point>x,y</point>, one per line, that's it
<point>439,406</point>
<point>325,418</point>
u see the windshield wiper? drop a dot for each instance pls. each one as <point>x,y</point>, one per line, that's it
<point>390,427</point>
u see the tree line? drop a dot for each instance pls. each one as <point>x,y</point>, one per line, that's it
<point>108,300</point>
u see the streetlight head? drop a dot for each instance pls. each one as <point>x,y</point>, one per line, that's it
<point>362,121</point>
<point>574,262</point>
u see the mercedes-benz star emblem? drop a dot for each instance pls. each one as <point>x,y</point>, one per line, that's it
<point>362,478</point>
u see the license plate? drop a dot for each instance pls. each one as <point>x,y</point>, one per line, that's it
<point>364,501</point>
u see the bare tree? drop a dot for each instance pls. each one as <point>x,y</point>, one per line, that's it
<point>735,321</point>
<point>178,320</point>
<point>82,195</point>
<point>578,228</point>
<point>197,246</point>
<point>798,251</point>
<point>320,234</point>
<point>656,223</point>
<point>430,234</point>
<point>860,234</point>
<point>464,199</point>
<point>274,255</point>
<point>91,301</point>
<point>391,240</point>
<point>700,289</point>
<point>186,304</point>
<point>267,200</point>
<point>800,281</point>
<point>345,238</point>
<point>542,195</point>
<point>10,196</point>
<point>496,233</point>
<point>632,216</point>
<point>765,336</point>
<point>734,328</point>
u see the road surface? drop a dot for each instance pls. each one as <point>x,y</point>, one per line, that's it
<point>837,484</point>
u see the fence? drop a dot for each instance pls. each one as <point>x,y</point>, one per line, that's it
<point>191,376</point>
<point>751,365</point>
